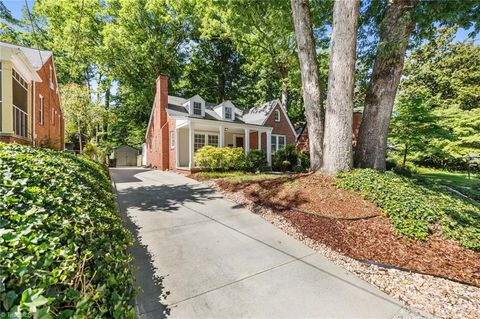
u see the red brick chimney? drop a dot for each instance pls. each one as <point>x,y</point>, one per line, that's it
<point>162,94</point>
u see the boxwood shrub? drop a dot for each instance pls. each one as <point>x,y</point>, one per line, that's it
<point>417,210</point>
<point>62,243</point>
<point>220,158</point>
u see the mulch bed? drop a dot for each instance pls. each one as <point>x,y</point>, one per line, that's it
<point>357,228</point>
<point>300,192</point>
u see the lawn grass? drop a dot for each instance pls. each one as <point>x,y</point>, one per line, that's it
<point>456,180</point>
<point>237,176</point>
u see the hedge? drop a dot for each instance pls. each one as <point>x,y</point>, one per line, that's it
<point>417,210</point>
<point>62,243</point>
<point>220,158</point>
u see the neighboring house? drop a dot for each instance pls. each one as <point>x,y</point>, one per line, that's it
<point>302,133</point>
<point>178,127</point>
<point>29,100</point>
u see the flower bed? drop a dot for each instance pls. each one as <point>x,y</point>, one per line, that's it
<point>62,243</point>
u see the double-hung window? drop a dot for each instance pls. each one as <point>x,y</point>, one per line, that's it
<point>172,139</point>
<point>198,141</point>
<point>277,116</point>
<point>197,108</point>
<point>228,113</point>
<point>278,142</point>
<point>42,110</point>
<point>202,139</point>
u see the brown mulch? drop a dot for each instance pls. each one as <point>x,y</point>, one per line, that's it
<point>300,194</point>
<point>371,238</point>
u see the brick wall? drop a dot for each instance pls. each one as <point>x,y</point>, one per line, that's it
<point>158,154</point>
<point>279,128</point>
<point>302,142</point>
<point>51,131</point>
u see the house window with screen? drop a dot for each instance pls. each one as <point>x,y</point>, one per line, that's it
<point>42,110</point>
<point>277,116</point>
<point>198,141</point>
<point>213,140</point>
<point>172,139</point>
<point>228,113</point>
<point>278,142</point>
<point>197,108</point>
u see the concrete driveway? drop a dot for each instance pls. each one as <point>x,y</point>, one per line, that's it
<point>199,255</point>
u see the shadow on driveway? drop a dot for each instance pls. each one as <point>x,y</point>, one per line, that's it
<point>166,197</point>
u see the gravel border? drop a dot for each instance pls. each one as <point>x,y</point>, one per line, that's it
<point>440,297</point>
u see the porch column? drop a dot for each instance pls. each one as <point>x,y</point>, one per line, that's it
<point>247,141</point>
<point>269,148</point>
<point>177,153</point>
<point>6,116</point>
<point>191,134</point>
<point>259,144</point>
<point>221,140</point>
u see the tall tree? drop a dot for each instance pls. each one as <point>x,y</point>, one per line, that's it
<point>311,92</point>
<point>395,28</point>
<point>447,74</point>
<point>337,153</point>
<point>262,32</point>
<point>414,124</point>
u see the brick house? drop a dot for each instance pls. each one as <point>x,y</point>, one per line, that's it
<point>178,127</point>
<point>29,98</point>
<point>302,133</point>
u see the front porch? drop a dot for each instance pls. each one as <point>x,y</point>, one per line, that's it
<point>190,135</point>
<point>16,102</point>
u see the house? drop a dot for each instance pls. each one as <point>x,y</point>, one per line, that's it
<point>29,98</point>
<point>302,133</point>
<point>178,127</point>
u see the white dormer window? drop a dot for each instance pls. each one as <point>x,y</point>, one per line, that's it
<point>277,116</point>
<point>197,108</point>
<point>228,113</point>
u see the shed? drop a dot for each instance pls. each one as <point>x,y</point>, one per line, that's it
<point>125,155</point>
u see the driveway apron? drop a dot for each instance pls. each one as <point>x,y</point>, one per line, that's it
<point>199,255</point>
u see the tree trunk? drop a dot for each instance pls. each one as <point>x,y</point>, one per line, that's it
<point>337,144</point>
<point>396,27</point>
<point>80,137</point>
<point>405,151</point>
<point>314,112</point>
<point>285,95</point>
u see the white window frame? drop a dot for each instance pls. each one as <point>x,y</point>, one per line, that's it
<point>51,77</point>
<point>277,115</point>
<point>276,144</point>
<point>228,108</point>
<point>42,110</point>
<point>172,139</point>
<point>205,134</point>
<point>193,108</point>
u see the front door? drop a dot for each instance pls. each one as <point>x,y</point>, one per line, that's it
<point>239,141</point>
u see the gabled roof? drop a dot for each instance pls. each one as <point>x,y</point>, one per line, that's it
<point>259,114</point>
<point>36,57</point>
<point>175,108</point>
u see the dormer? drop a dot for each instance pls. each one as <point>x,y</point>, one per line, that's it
<point>226,110</point>
<point>195,106</point>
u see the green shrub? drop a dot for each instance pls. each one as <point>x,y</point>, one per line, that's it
<point>417,210</point>
<point>287,159</point>
<point>91,150</point>
<point>304,161</point>
<point>62,243</point>
<point>256,160</point>
<point>220,158</point>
